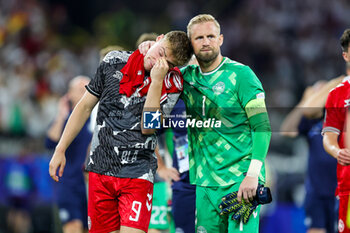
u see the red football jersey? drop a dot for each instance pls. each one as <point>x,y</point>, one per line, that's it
<point>337,103</point>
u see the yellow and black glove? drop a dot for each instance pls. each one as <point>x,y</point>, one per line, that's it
<point>242,211</point>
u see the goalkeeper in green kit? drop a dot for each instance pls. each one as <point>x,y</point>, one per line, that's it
<point>227,158</point>
<point>225,161</point>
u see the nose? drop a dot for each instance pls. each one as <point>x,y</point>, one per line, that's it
<point>206,41</point>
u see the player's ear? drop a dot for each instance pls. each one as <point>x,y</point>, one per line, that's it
<point>160,37</point>
<point>346,56</point>
<point>221,39</point>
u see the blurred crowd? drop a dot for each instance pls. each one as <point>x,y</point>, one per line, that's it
<point>35,67</point>
<point>290,45</point>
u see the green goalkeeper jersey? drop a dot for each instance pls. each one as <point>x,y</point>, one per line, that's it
<point>221,153</point>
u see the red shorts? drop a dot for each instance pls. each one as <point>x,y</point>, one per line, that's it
<point>343,227</point>
<point>115,202</point>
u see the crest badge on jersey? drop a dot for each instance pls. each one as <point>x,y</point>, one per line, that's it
<point>201,229</point>
<point>219,88</point>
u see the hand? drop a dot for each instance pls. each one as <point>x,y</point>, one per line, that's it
<point>244,212</point>
<point>159,70</point>
<point>58,160</point>
<point>145,46</point>
<point>63,107</point>
<point>309,91</point>
<point>343,157</point>
<point>319,85</point>
<point>230,204</point>
<point>168,174</point>
<point>247,189</point>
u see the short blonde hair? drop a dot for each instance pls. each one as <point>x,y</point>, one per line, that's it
<point>201,19</point>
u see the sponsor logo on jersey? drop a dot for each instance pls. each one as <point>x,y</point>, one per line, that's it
<point>118,75</point>
<point>149,202</point>
<point>151,120</point>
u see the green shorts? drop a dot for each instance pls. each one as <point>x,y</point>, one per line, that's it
<point>208,218</point>
<point>159,217</point>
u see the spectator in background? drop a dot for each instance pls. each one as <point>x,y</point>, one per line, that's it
<point>306,119</point>
<point>70,193</point>
<point>184,194</point>
<point>333,135</point>
<point>18,188</point>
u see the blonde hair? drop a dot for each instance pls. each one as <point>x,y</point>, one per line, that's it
<point>202,18</point>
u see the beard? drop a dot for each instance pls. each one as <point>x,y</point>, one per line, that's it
<point>207,57</point>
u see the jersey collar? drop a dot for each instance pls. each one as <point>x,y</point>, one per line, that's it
<point>213,71</point>
<point>347,78</point>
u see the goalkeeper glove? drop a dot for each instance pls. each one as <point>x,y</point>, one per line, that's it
<point>243,210</point>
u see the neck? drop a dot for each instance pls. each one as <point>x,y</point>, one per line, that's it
<point>211,65</point>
